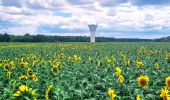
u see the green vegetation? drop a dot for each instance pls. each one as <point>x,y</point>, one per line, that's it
<point>46,38</point>
<point>79,71</point>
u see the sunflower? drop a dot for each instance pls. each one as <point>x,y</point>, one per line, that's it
<point>164,94</point>
<point>12,64</point>
<point>118,71</point>
<point>23,77</point>
<point>137,97</point>
<point>29,72</point>
<point>23,64</point>
<point>168,82</point>
<point>98,63</point>
<point>0,64</point>
<point>16,94</point>
<point>34,78</point>
<point>121,79</point>
<point>23,88</point>
<point>8,74</point>
<point>47,92</point>
<point>129,62</point>
<point>143,80</point>
<point>156,65</point>
<point>112,94</point>
<point>6,67</point>
<point>139,64</point>
<point>55,70</point>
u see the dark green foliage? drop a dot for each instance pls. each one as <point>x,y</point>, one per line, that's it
<point>164,39</point>
<point>4,38</point>
<point>45,38</point>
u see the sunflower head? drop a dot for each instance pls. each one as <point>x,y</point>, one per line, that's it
<point>143,80</point>
<point>139,64</point>
<point>118,71</point>
<point>129,62</point>
<point>23,88</point>
<point>34,78</point>
<point>121,79</point>
<point>23,77</point>
<point>164,94</point>
<point>98,63</point>
<point>6,67</point>
<point>55,70</point>
<point>156,65</point>
<point>111,93</point>
<point>167,82</point>
<point>137,97</point>
<point>16,94</point>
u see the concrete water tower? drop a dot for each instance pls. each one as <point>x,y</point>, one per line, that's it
<point>92,29</point>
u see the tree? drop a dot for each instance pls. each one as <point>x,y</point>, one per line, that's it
<point>6,38</point>
<point>27,34</point>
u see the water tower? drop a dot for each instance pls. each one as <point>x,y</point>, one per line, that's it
<point>92,29</point>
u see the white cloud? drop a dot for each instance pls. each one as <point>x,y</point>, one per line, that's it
<point>114,16</point>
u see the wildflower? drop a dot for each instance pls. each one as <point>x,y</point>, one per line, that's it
<point>164,94</point>
<point>23,88</point>
<point>167,82</point>
<point>137,97</point>
<point>112,94</point>
<point>118,71</point>
<point>121,79</point>
<point>156,65</point>
<point>143,80</point>
<point>16,94</point>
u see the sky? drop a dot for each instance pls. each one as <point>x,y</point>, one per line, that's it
<point>115,18</point>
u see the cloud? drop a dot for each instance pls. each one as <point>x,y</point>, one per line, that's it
<point>150,2</point>
<point>16,3</point>
<point>115,18</point>
<point>111,3</point>
<point>80,2</point>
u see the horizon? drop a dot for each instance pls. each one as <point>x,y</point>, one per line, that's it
<point>115,19</point>
<point>83,36</point>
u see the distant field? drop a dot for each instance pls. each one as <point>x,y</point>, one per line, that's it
<point>79,71</point>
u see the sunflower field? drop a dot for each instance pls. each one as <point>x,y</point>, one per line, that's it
<point>85,71</point>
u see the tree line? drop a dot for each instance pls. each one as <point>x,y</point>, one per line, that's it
<point>45,38</point>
